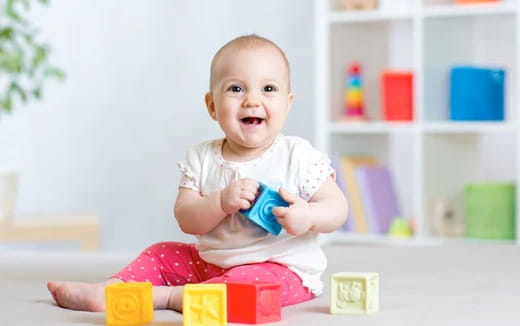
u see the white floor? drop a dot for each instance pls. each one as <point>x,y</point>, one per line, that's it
<point>457,284</point>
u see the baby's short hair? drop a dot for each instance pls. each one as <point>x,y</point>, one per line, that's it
<point>247,41</point>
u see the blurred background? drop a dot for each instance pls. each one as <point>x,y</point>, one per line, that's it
<point>107,139</point>
<point>415,101</point>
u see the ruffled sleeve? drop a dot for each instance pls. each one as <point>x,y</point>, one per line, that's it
<point>314,170</point>
<point>190,171</point>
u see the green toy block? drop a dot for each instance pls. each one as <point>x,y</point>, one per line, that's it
<point>354,293</point>
<point>400,228</point>
<point>490,210</point>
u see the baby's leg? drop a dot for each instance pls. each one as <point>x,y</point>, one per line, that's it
<point>91,296</point>
<point>168,297</point>
<point>291,287</point>
<point>80,296</point>
<point>167,265</point>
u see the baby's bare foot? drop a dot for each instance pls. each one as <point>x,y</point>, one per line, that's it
<point>79,296</point>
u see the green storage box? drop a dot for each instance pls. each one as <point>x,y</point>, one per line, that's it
<point>490,210</point>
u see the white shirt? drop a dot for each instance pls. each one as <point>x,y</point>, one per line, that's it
<point>291,163</point>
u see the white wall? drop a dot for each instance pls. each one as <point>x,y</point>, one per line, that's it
<point>107,139</point>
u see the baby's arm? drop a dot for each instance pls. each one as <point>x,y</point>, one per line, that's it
<point>198,214</point>
<point>325,212</point>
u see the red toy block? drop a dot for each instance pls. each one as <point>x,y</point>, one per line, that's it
<point>254,302</point>
<point>397,95</point>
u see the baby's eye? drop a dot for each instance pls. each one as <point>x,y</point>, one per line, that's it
<point>270,88</point>
<point>235,89</point>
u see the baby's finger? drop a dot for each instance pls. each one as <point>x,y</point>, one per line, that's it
<point>285,225</point>
<point>280,212</point>
<point>244,204</point>
<point>287,196</point>
<point>247,195</point>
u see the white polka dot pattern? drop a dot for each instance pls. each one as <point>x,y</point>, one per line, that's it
<point>164,265</point>
<point>188,178</point>
<point>318,172</point>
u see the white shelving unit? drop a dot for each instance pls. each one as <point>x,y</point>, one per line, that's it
<point>430,156</point>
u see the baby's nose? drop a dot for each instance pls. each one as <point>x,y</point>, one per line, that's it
<point>251,100</point>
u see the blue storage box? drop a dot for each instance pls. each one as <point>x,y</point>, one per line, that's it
<point>476,93</point>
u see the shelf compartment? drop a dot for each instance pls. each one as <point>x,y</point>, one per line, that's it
<point>352,238</point>
<point>469,127</point>
<point>341,237</point>
<point>453,160</point>
<point>449,10</point>
<point>343,16</point>
<point>467,41</point>
<point>395,151</point>
<point>376,127</point>
<point>386,45</point>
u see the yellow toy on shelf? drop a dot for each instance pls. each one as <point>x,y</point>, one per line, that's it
<point>204,305</point>
<point>129,304</point>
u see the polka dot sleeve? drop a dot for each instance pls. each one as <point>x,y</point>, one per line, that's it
<point>189,177</point>
<point>316,170</point>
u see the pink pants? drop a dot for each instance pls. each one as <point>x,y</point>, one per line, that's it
<point>176,263</point>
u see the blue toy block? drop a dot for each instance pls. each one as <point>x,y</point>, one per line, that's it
<point>261,212</point>
<point>476,94</point>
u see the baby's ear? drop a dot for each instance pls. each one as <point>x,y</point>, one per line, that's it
<point>290,98</point>
<point>210,105</point>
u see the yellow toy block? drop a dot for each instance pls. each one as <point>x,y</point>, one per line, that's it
<point>354,293</point>
<point>204,305</point>
<point>129,304</point>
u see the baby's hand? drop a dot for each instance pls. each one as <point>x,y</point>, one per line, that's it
<point>296,218</point>
<point>238,195</point>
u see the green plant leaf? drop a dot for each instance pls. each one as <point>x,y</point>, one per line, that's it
<point>7,104</point>
<point>40,55</point>
<point>37,93</point>
<point>15,88</point>
<point>11,12</point>
<point>24,62</point>
<point>29,38</point>
<point>26,4</point>
<point>6,33</point>
<point>11,62</point>
<point>54,72</point>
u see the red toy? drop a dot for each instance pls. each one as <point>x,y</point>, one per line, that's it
<point>254,302</point>
<point>397,95</point>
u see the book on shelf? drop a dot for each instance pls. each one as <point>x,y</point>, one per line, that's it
<point>335,162</point>
<point>349,163</point>
<point>378,197</point>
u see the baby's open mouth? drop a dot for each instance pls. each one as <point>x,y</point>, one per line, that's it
<point>252,120</point>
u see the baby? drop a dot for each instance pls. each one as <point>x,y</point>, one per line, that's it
<point>250,98</point>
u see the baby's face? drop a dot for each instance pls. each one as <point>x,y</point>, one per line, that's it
<point>250,98</point>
